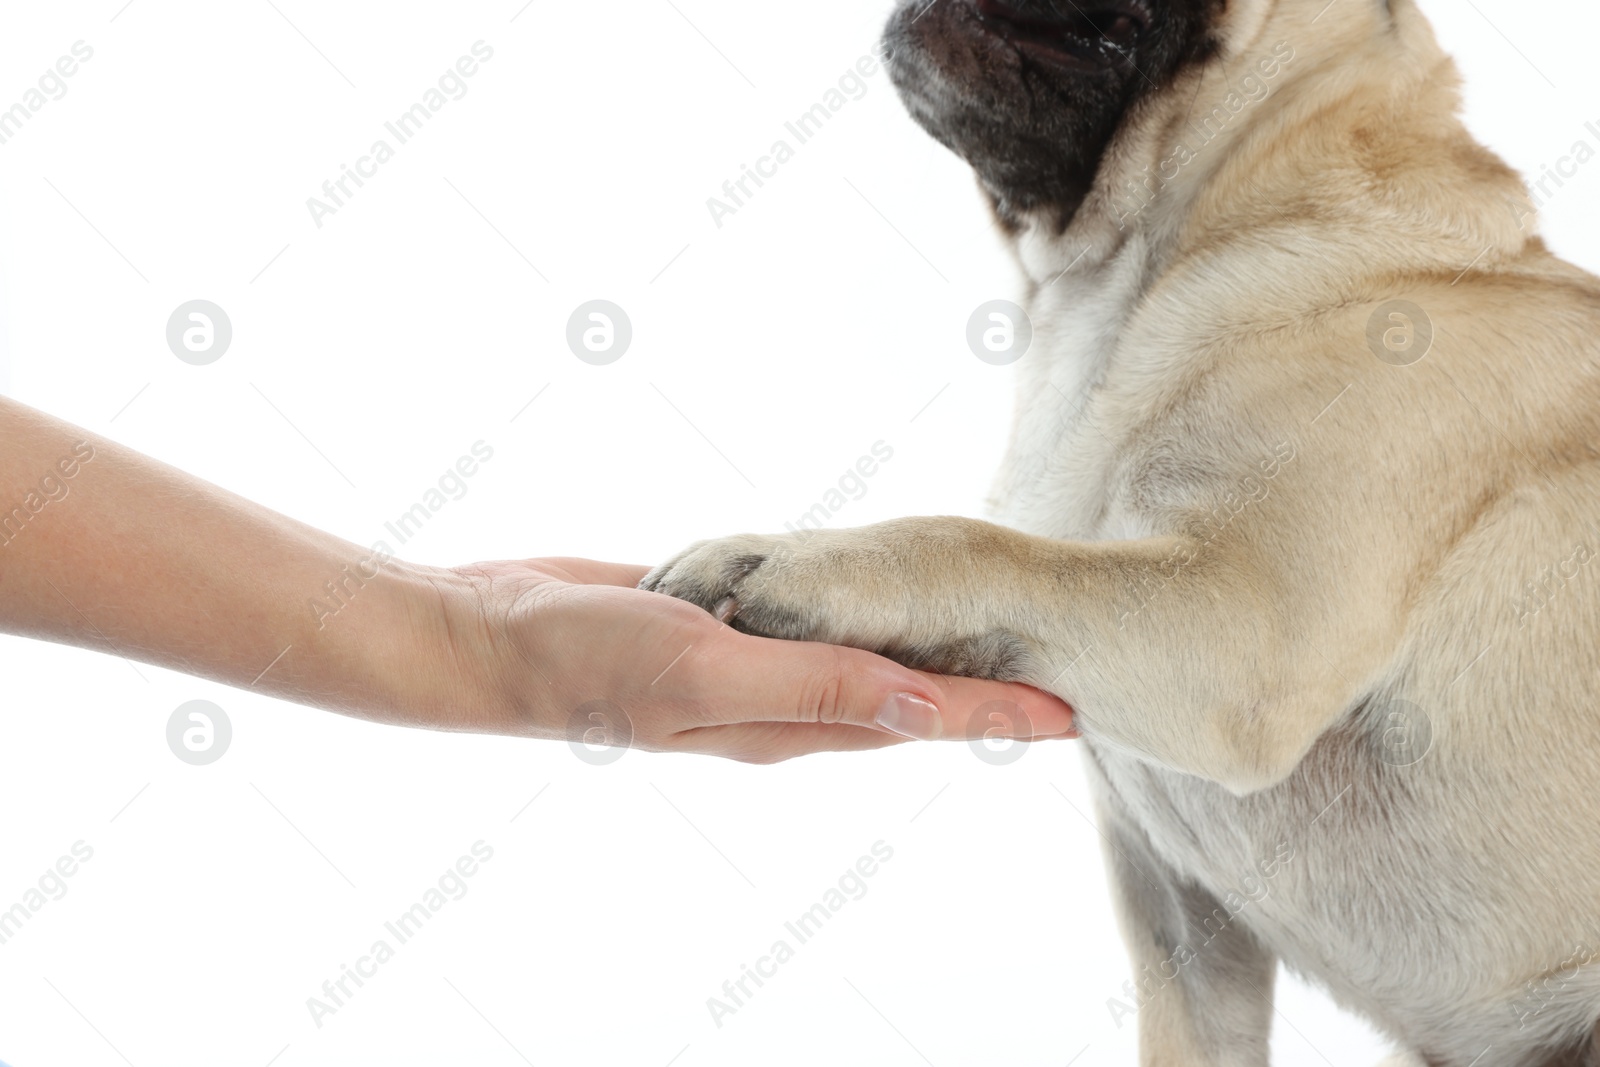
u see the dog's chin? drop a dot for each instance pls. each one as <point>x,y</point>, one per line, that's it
<point>1030,92</point>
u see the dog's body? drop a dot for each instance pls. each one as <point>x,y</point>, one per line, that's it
<point>1311,566</point>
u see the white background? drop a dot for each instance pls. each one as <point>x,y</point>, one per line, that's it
<point>369,354</point>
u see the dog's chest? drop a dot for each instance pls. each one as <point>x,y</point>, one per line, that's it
<point>1072,439</point>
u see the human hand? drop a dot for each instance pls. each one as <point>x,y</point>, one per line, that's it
<point>553,636</point>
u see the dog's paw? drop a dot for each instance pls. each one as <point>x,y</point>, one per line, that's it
<point>879,589</point>
<point>749,582</point>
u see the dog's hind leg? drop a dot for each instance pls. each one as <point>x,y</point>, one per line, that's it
<point>1202,985</point>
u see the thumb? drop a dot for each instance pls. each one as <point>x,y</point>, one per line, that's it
<point>786,681</point>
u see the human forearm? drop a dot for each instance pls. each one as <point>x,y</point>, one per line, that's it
<point>130,556</point>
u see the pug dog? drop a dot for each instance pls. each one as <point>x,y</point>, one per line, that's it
<point>1299,514</point>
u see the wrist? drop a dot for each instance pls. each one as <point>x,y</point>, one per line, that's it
<point>436,652</point>
<point>396,646</point>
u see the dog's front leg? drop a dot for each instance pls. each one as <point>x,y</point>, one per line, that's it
<point>1201,989</point>
<point>1193,656</point>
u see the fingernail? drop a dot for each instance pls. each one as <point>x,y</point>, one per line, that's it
<point>910,716</point>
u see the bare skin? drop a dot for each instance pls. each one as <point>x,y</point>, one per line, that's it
<point>129,556</point>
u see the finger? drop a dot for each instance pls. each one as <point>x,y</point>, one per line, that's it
<point>774,742</point>
<point>595,572</point>
<point>755,678</point>
<point>976,708</point>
